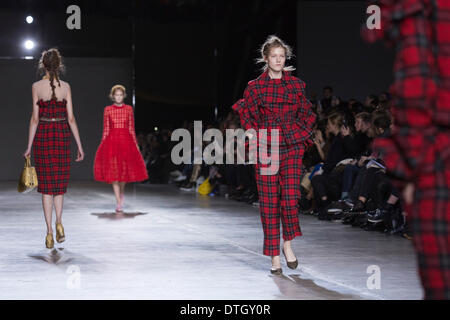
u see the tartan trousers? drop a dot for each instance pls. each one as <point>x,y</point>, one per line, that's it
<point>429,217</point>
<point>278,198</point>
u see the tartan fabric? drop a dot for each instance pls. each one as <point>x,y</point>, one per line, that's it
<point>118,157</point>
<point>278,104</point>
<point>418,149</point>
<point>429,217</point>
<point>51,148</point>
<point>278,198</point>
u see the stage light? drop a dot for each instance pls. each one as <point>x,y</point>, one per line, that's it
<point>29,44</point>
<point>29,19</point>
<point>156,128</point>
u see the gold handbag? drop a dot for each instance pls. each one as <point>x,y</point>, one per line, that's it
<point>28,179</point>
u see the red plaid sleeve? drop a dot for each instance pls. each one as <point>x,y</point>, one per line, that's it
<point>248,109</point>
<point>305,117</point>
<point>420,104</point>
<point>131,124</point>
<point>105,124</point>
<point>392,11</point>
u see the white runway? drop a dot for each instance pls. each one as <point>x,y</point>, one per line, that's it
<point>176,245</point>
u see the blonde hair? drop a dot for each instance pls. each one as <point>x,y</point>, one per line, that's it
<point>271,42</point>
<point>117,87</point>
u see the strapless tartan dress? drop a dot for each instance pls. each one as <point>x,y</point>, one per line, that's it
<point>51,148</point>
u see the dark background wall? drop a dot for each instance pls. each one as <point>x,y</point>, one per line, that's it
<point>330,50</point>
<point>190,58</point>
<point>90,80</point>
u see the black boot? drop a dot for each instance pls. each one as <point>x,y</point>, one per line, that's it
<point>323,210</point>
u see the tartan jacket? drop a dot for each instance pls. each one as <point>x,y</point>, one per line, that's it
<point>278,104</point>
<point>420,32</point>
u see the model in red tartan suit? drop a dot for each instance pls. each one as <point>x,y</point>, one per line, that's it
<point>51,122</point>
<point>276,100</point>
<point>118,159</point>
<point>418,152</point>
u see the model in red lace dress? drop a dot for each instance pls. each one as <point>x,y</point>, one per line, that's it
<point>118,159</point>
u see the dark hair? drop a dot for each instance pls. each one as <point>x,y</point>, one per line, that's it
<point>365,116</point>
<point>388,96</point>
<point>328,87</point>
<point>321,125</point>
<point>336,118</point>
<point>357,107</point>
<point>381,119</point>
<point>374,98</point>
<point>51,61</point>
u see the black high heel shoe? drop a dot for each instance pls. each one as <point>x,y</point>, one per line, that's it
<point>292,264</point>
<point>276,272</point>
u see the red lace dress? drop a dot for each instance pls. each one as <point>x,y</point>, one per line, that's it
<point>118,157</point>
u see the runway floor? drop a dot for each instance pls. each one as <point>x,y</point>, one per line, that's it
<point>171,244</point>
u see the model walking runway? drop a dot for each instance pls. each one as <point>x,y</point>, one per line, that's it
<point>109,255</point>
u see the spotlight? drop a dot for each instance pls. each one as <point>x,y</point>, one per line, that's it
<point>29,19</point>
<point>29,44</point>
<point>156,128</point>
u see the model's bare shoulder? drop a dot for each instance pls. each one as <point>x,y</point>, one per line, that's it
<point>65,86</point>
<point>37,84</point>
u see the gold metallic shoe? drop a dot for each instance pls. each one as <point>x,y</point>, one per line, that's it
<point>60,237</point>
<point>49,243</point>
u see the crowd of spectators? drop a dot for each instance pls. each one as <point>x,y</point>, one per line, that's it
<point>342,179</point>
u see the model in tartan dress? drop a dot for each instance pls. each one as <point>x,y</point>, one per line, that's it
<point>276,100</point>
<point>418,151</point>
<point>118,159</point>
<point>51,122</point>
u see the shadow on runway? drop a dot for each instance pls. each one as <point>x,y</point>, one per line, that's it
<point>55,256</point>
<point>64,258</point>
<point>117,216</point>
<point>294,287</point>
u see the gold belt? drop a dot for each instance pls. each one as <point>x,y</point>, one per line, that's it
<point>52,119</point>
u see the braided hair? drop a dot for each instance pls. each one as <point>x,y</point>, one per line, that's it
<point>51,62</point>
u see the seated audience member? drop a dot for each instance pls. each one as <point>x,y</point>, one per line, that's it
<point>327,182</point>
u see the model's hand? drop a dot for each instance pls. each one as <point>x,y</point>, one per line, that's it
<point>80,155</point>
<point>27,153</point>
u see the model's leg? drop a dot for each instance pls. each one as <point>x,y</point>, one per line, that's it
<point>290,172</point>
<point>47,205</point>
<point>122,192</point>
<point>116,189</point>
<point>270,215</point>
<point>58,203</point>
<point>430,221</point>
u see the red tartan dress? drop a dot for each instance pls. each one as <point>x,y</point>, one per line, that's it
<point>118,157</point>
<point>278,104</point>
<point>51,148</point>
